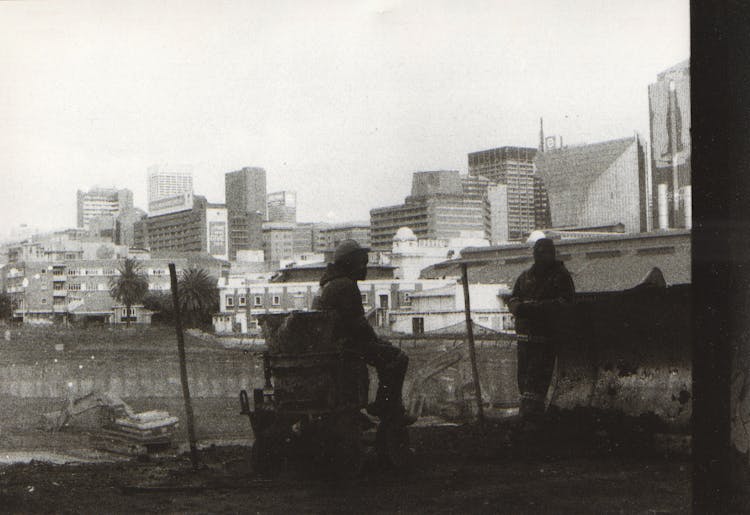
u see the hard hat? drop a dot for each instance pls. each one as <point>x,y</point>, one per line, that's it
<point>346,249</point>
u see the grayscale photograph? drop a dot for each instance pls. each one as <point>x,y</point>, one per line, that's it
<point>377,256</point>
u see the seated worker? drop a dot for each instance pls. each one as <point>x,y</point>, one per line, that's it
<point>340,293</point>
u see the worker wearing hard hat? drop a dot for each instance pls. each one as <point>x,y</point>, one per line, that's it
<point>539,296</point>
<point>339,292</point>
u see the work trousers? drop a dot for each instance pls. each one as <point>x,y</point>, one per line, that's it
<point>390,363</point>
<point>536,363</point>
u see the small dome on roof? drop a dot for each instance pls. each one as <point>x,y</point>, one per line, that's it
<point>536,235</point>
<point>404,234</point>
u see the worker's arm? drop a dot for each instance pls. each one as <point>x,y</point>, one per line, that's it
<point>345,299</point>
<point>564,297</point>
<point>515,301</point>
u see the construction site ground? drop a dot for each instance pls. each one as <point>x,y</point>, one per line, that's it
<point>580,462</point>
<point>456,469</point>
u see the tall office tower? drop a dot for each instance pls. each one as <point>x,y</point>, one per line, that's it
<point>438,208</point>
<point>245,190</point>
<point>282,206</point>
<point>669,113</point>
<point>102,203</point>
<point>475,186</point>
<point>514,167</point>
<point>245,193</point>
<point>597,185</point>
<point>169,181</point>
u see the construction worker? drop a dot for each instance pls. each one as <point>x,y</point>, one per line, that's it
<point>539,296</point>
<point>340,293</point>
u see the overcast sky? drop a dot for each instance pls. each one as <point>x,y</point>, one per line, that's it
<point>340,101</point>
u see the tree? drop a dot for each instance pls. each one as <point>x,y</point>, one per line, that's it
<point>130,287</point>
<point>160,303</point>
<point>199,296</point>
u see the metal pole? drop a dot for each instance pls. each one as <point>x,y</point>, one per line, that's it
<point>472,351</point>
<point>183,367</point>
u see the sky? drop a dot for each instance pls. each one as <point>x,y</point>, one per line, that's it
<point>339,101</point>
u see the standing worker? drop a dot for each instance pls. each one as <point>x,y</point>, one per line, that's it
<point>539,296</point>
<point>340,293</point>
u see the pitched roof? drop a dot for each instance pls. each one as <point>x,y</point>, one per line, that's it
<point>573,167</point>
<point>569,172</point>
<point>93,302</point>
<point>460,328</point>
<point>602,271</point>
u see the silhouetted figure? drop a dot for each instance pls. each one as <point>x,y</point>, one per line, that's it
<point>340,293</point>
<point>538,297</point>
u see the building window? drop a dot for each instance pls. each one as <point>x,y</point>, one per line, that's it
<point>44,301</point>
<point>229,301</point>
<point>243,300</point>
<point>258,300</point>
<point>417,325</point>
<point>407,298</point>
<point>74,287</point>
<point>364,298</point>
<point>276,300</point>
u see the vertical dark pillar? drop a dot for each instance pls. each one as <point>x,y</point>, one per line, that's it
<point>720,73</point>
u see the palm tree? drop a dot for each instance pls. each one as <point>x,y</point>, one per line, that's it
<point>199,296</point>
<point>130,286</point>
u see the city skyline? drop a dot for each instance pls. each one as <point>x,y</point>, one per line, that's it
<point>332,103</point>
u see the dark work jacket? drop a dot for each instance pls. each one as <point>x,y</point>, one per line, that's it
<point>539,298</point>
<point>341,294</point>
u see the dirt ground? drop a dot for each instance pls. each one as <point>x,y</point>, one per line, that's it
<point>456,469</point>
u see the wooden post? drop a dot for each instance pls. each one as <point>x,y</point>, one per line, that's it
<point>472,351</point>
<point>183,367</point>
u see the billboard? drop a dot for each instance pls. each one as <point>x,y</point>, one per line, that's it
<point>173,204</point>
<point>217,238</point>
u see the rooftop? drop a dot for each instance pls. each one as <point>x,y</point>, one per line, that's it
<point>596,265</point>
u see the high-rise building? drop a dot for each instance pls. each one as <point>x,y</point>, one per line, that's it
<point>168,181</point>
<point>282,206</point>
<point>245,232</point>
<point>125,226</point>
<point>278,240</point>
<point>102,202</point>
<point>245,193</point>
<point>333,234</point>
<point>438,208</point>
<point>497,198</point>
<point>245,190</point>
<point>304,238</point>
<point>669,113</point>
<point>596,185</point>
<point>513,167</point>
<point>475,186</point>
<point>194,226</point>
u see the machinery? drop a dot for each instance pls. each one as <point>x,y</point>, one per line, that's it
<point>310,410</point>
